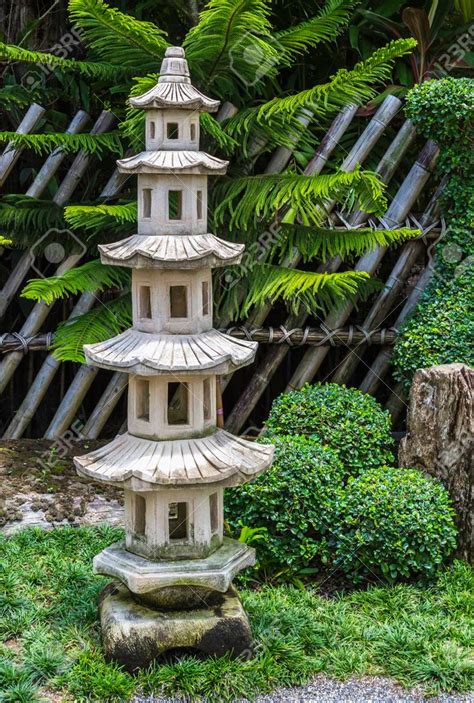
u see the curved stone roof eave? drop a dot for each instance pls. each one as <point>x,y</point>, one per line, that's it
<point>148,354</point>
<point>179,95</point>
<point>167,251</point>
<point>162,161</point>
<point>138,463</point>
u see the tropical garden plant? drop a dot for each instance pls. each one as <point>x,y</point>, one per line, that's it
<point>236,54</point>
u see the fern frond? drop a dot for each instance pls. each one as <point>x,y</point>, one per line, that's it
<point>232,42</point>
<point>16,95</point>
<point>355,86</point>
<point>93,276</point>
<point>251,199</point>
<point>19,213</point>
<point>90,69</point>
<point>118,38</point>
<point>326,26</point>
<point>283,129</point>
<point>211,127</point>
<point>69,143</point>
<point>305,289</point>
<point>97,325</point>
<point>324,243</point>
<point>95,217</point>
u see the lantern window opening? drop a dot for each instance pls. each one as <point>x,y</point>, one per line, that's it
<point>144,302</point>
<point>178,521</point>
<point>205,297</point>
<point>152,129</point>
<point>178,302</point>
<point>142,396</point>
<point>192,131</point>
<point>146,202</point>
<point>214,512</point>
<point>139,514</point>
<point>172,130</point>
<point>178,403</point>
<point>175,204</point>
<point>206,398</point>
<point>199,204</point>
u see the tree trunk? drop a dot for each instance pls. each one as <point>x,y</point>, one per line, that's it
<point>440,438</point>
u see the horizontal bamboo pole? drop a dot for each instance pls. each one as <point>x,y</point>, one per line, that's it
<point>315,336</point>
<point>11,153</point>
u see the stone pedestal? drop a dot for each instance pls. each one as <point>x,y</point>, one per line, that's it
<point>134,634</point>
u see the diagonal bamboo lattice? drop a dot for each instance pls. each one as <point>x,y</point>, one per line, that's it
<point>350,360</point>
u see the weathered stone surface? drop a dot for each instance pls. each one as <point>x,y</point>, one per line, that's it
<point>134,635</point>
<point>440,438</point>
<point>143,576</point>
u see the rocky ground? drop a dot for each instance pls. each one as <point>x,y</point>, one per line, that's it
<point>39,487</point>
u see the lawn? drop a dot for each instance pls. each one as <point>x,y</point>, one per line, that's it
<point>51,648</point>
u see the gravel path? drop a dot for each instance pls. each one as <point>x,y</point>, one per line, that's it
<point>325,690</point>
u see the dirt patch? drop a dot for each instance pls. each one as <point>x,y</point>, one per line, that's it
<point>39,486</point>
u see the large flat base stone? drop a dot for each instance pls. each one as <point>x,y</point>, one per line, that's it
<point>134,635</point>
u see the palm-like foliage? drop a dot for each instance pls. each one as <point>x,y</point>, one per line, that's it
<point>234,53</point>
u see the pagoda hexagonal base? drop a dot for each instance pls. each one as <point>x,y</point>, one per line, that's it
<point>134,634</point>
<point>145,577</point>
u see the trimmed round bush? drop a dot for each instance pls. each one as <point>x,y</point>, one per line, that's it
<point>397,523</point>
<point>296,501</point>
<point>350,422</point>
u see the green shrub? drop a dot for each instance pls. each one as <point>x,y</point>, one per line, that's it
<point>296,500</point>
<point>439,332</point>
<point>397,523</point>
<point>350,422</point>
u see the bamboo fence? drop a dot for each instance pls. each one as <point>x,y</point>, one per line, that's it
<point>351,346</point>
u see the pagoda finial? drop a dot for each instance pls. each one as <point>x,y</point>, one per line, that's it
<point>174,68</point>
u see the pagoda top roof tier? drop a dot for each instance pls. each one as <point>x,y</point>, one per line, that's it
<point>174,88</point>
<point>148,354</point>
<point>219,458</point>
<point>186,162</point>
<point>169,251</point>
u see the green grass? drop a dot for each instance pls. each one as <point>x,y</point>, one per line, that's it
<point>51,639</point>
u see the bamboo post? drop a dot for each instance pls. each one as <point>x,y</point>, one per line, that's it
<point>40,311</point>
<point>72,400</point>
<point>42,381</point>
<point>382,361</point>
<point>80,163</point>
<point>106,405</point>
<point>396,214</point>
<point>11,153</point>
<point>55,159</point>
<point>396,402</point>
<point>357,154</point>
<point>381,308</point>
<point>40,182</point>
<point>31,326</point>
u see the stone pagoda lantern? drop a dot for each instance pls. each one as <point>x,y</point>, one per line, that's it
<point>173,573</point>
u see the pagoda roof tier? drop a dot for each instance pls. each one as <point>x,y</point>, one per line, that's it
<point>167,251</point>
<point>149,354</point>
<point>219,458</point>
<point>174,95</point>
<point>184,161</point>
<point>174,87</point>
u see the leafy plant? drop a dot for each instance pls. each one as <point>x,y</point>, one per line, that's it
<point>439,330</point>
<point>394,523</point>
<point>237,51</point>
<point>349,422</point>
<point>295,500</point>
